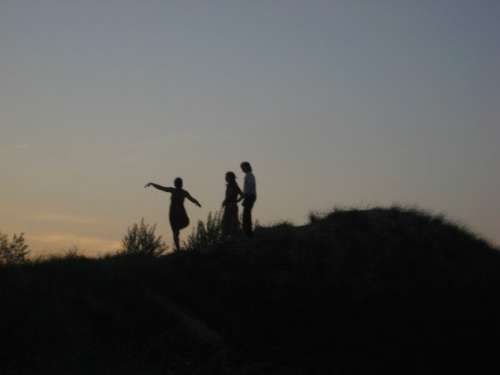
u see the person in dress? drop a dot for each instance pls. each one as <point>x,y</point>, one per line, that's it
<point>230,220</point>
<point>177,213</point>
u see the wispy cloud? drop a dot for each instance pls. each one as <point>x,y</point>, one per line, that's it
<point>56,242</point>
<point>54,217</point>
<point>21,146</point>
<point>10,148</point>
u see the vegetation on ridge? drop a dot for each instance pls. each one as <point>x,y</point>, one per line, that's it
<point>13,251</point>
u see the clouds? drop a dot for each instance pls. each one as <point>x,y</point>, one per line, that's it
<point>13,147</point>
<point>62,218</point>
<point>62,231</point>
<point>21,146</point>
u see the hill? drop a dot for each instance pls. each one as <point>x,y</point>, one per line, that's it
<point>353,291</point>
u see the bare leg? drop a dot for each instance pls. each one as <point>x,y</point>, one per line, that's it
<point>176,240</point>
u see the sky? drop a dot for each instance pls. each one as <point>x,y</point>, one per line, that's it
<point>354,103</point>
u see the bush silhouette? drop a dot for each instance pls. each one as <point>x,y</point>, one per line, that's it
<point>207,234</point>
<point>142,240</point>
<point>13,251</point>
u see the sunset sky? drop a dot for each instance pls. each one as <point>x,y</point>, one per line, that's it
<point>351,103</point>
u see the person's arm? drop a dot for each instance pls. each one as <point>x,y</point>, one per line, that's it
<point>250,187</point>
<point>195,201</point>
<point>240,194</point>
<point>247,185</point>
<point>159,187</point>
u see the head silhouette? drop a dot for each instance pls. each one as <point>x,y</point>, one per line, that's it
<point>230,177</point>
<point>178,183</point>
<point>246,167</point>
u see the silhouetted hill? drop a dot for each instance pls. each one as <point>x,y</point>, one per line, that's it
<point>354,291</point>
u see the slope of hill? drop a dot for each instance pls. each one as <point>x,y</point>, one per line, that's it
<point>353,291</point>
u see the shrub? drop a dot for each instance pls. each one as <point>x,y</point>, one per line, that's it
<point>142,240</point>
<point>13,251</point>
<point>207,234</point>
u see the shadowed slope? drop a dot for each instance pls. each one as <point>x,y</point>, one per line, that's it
<point>356,290</point>
<point>383,282</point>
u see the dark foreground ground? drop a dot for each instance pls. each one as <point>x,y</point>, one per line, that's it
<point>358,291</point>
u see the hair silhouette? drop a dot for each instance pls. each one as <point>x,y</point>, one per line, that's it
<point>246,167</point>
<point>178,183</point>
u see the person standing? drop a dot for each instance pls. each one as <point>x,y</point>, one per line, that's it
<point>249,197</point>
<point>177,213</point>
<point>230,220</point>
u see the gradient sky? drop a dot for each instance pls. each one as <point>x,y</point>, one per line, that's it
<point>335,103</point>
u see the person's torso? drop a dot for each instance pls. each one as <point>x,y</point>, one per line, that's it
<point>250,186</point>
<point>177,198</point>
<point>231,194</point>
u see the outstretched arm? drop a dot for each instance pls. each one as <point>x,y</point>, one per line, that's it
<point>195,201</point>
<point>159,187</point>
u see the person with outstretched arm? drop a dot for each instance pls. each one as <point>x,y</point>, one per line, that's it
<point>177,213</point>
<point>249,197</point>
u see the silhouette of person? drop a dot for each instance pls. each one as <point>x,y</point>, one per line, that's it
<point>177,213</point>
<point>230,220</point>
<point>249,197</point>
